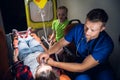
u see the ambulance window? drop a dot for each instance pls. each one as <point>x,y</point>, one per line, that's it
<point>39,15</point>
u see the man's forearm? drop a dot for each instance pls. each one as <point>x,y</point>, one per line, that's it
<point>72,67</point>
<point>88,63</point>
<point>54,49</point>
<point>57,46</point>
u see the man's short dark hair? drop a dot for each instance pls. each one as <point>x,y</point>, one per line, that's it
<point>97,15</point>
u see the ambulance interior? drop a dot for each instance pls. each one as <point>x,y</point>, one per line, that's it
<point>21,14</point>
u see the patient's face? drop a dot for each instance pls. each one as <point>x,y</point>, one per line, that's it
<point>43,68</point>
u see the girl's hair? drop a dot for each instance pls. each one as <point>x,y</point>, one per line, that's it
<point>63,7</point>
<point>48,75</point>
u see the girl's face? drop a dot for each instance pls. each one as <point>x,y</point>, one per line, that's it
<point>62,15</point>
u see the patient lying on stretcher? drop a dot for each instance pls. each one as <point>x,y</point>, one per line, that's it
<point>26,48</point>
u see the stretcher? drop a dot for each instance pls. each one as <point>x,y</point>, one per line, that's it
<point>9,40</point>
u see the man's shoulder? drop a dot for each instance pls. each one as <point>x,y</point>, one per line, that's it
<point>105,35</point>
<point>79,26</point>
<point>105,38</point>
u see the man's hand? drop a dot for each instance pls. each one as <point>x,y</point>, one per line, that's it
<point>50,61</point>
<point>43,56</point>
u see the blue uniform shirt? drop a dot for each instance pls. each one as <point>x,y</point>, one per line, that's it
<point>100,48</point>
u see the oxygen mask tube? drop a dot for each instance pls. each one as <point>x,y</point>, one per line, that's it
<point>42,16</point>
<point>43,62</point>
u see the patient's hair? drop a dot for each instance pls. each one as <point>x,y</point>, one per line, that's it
<point>48,75</point>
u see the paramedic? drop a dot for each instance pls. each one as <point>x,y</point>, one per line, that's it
<point>93,45</point>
